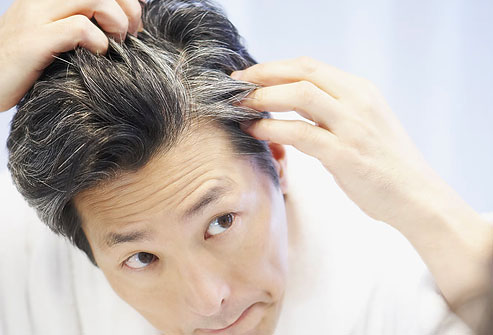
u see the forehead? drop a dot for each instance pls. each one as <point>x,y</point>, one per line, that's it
<point>202,159</point>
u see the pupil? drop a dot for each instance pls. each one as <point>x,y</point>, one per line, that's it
<point>226,220</point>
<point>145,257</point>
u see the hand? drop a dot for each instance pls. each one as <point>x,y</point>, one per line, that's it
<point>362,144</point>
<point>33,31</point>
<point>355,136</point>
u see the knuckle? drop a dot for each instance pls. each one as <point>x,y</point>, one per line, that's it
<point>81,25</point>
<point>304,130</point>
<point>92,3</point>
<point>369,93</point>
<point>306,91</point>
<point>307,64</point>
<point>368,85</point>
<point>258,68</point>
<point>366,102</point>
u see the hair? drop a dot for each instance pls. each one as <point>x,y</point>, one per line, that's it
<point>90,117</point>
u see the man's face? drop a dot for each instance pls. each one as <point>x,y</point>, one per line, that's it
<point>193,239</point>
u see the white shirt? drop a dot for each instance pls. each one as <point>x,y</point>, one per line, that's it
<point>350,275</point>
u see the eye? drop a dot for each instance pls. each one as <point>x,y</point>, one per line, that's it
<point>220,224</point>
<point>140,260</point>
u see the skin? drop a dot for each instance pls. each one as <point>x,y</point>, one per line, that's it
<point>361,143</point>
<point>33,32</point>
<point>198,281</point>
<point>355,136</point>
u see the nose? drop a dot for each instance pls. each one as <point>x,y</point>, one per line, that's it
<point>203,286</point>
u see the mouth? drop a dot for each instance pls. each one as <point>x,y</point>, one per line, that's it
<point>234,324</point>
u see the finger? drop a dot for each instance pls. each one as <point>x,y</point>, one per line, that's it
<point>133,10</point>
<point>302,97</point>
<point>112,19</point>
<point>77,30</point>
<point>310,139</point>
<point>108,14</point>
<point>328,78</point>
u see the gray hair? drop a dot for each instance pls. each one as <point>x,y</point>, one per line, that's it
<point>90,117</point>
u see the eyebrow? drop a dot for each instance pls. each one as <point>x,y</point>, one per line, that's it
<point>212,196</point>
<point>113,239</point>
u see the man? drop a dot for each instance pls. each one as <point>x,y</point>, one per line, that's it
<point>143,159</point>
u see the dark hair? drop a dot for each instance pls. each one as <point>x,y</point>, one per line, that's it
<point>89,117</point>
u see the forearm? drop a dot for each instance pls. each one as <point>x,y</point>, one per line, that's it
<point>454,241</point>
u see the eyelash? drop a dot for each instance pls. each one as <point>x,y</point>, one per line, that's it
<point>124,264</point>
<point>234,219</point>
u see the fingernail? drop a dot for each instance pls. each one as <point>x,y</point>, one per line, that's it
<point>141,27</point>
<point>236,75</point>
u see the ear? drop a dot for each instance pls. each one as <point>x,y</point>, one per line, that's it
<point>280,163</point>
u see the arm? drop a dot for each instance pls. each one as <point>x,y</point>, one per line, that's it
<point>362,144</point>
<point>455,242</point>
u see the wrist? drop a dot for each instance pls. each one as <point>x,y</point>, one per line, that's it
<point>454,241</point>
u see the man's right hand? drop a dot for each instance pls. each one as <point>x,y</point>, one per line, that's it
<point>32,32</point>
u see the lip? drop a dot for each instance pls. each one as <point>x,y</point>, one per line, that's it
<point>222,330</point>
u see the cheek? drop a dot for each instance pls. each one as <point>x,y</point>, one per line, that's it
<point>278,240</point>
<point>262,256</point>
<point>155,304</point>
<point>135,292</point>
<point>138,290</point>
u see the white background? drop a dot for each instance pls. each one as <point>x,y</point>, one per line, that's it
<point>432,60</point>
